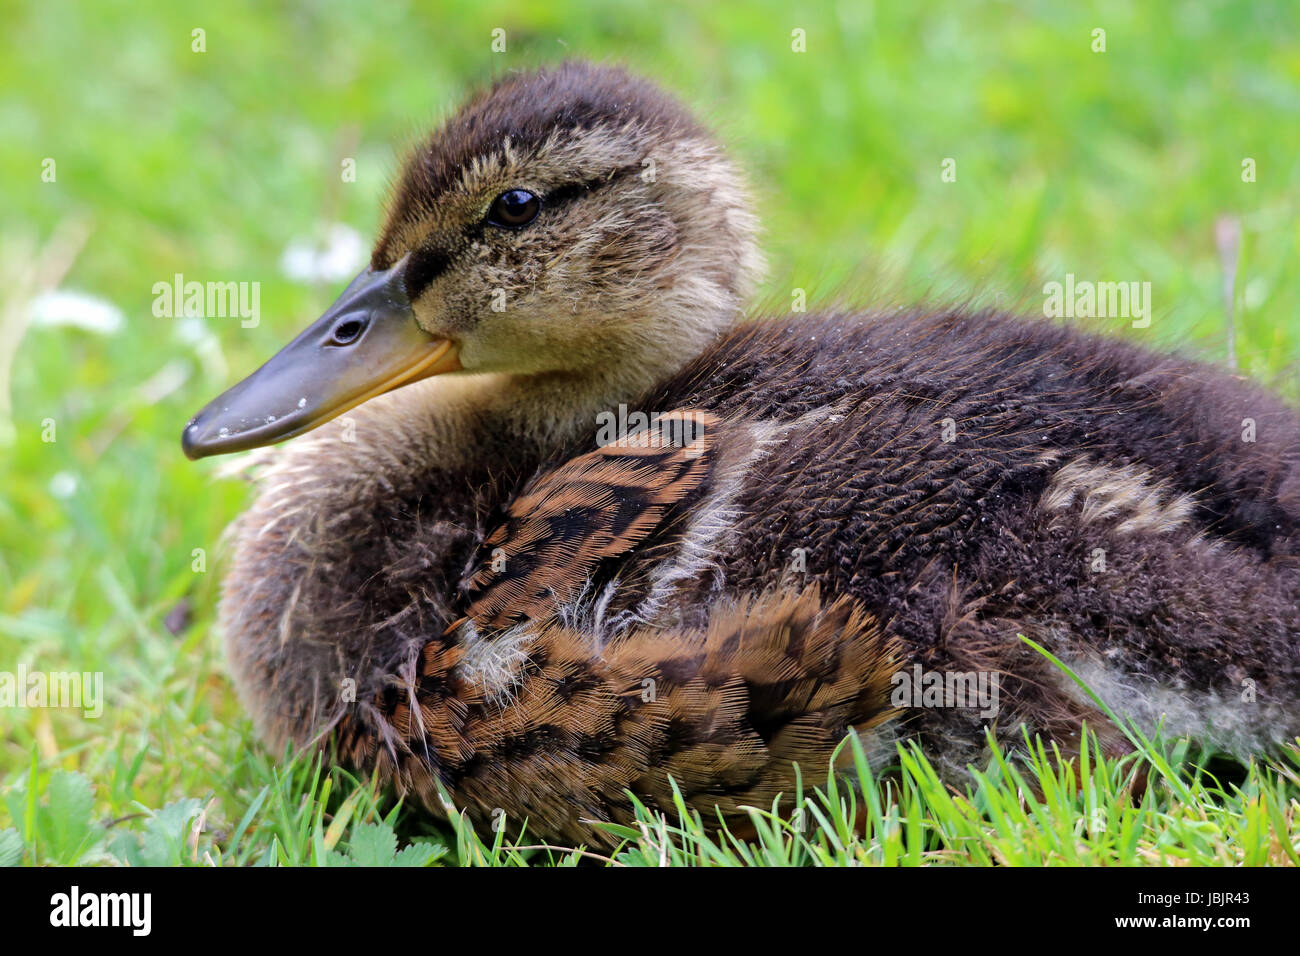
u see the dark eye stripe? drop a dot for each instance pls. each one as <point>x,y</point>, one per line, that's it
<point>427,264</point>
<point>424,266</point>
<point>566,193</point>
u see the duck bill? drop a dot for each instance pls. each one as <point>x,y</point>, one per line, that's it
<point>366,344</point>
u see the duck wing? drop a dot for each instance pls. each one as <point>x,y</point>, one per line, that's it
<point>725,712</point>
<point>572,523</point>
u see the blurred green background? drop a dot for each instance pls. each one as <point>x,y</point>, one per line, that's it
<point>1113,166</point>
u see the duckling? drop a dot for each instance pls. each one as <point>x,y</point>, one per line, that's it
<point>583,525</point>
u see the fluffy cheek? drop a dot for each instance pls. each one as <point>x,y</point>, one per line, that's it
<point>625,252</point>
<point>488,279</point>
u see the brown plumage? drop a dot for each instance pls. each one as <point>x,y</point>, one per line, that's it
<point>590,509</point>
<point>469,585</point>
<point>726,713</point>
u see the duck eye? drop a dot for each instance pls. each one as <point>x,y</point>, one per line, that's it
<point>346,332</point>
<point>514,208</point>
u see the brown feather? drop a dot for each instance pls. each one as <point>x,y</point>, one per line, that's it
<point>773,681</point>
<point>593,508</point>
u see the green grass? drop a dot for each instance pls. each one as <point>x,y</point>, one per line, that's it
<point>1113,166</point>
<point>1038,810</point>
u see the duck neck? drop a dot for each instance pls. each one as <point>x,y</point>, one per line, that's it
<point>547,410</point>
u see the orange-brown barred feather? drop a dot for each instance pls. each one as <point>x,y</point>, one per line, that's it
<point>774,680</point>
<point>595,507</point>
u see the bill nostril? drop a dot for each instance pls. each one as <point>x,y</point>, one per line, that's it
<point>347,331</point>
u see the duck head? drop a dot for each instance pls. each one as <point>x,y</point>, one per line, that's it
<point>573,226</point>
